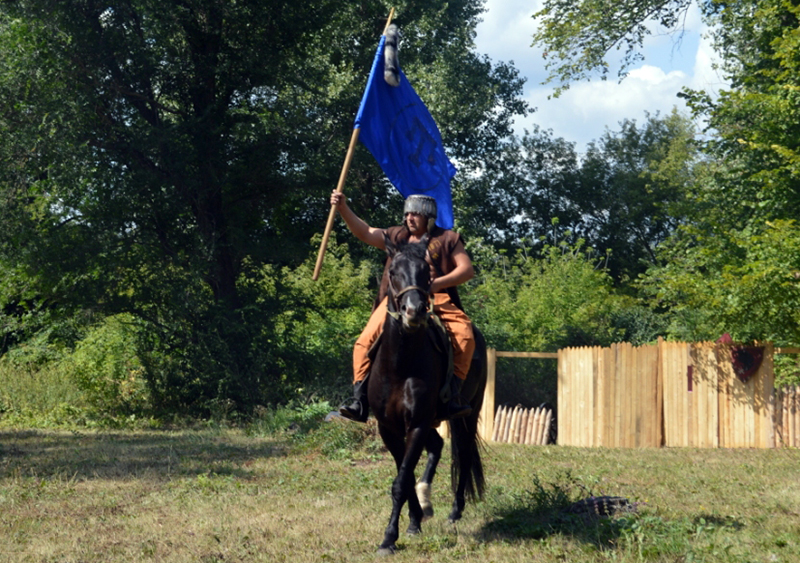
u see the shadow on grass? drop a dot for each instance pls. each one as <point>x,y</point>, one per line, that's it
<point>531,523</point>
<point>562,508</point>
<point>122,455</point>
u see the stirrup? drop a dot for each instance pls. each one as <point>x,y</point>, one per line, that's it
<point>354,411</point>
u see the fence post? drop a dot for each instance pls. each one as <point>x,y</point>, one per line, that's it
<point>486,423</point>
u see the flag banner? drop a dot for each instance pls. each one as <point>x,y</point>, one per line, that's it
<point>400,133</point>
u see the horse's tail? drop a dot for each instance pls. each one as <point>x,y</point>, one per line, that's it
<point>467,466</point>
<point>465,441</point>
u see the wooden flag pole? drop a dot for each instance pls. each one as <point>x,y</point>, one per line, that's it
<point>340,186</point>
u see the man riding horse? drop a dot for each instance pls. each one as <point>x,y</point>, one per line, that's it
<point>450,266</point>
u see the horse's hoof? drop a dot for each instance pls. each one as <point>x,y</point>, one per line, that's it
<point>454,517</point>
<point>427,513</point>
<point>382,551</point>
<point>414,530</point>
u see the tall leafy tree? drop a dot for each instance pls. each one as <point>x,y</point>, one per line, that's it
<point>577,36</point>
<point>633,190</point>
<point>623,197</point>
<point>740,248</point>
<point>156,154</point>
<point>731,267</point>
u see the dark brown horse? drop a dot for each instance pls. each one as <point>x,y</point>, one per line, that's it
<point>407,375</point>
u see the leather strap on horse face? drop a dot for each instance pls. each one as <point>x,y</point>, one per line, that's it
<point>395,296</point>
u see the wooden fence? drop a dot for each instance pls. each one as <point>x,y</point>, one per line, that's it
<point>787,417</point>
<point>519,425</point>
<point>486,422</point>
<point>673,394</point>
<point>609,396</point>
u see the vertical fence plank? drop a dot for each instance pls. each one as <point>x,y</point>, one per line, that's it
<point>501,427</point>
<point>546,432</point>
<point>486,423</point>
<point>496,423</point>
<point>561,396</point>
<point>795,422</point>
<point>610,393</point>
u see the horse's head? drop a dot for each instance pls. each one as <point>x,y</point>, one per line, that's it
<point>409,283</point>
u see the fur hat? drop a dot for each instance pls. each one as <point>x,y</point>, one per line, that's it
<point>425,205</point>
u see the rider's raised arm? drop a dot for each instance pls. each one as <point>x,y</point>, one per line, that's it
<point>357,226</point>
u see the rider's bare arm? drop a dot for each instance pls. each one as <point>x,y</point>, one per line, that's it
<point>357,226</point>
<point>462,273</point>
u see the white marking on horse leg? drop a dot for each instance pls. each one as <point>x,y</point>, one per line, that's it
<point>424,496</point>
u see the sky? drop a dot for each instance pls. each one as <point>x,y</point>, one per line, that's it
<point>587,109</point>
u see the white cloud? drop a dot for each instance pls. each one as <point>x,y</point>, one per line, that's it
<point>582,113</point>
<point>704,75</point>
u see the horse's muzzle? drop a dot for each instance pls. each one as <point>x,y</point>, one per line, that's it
<point>414,320</point>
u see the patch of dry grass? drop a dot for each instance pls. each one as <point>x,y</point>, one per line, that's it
<point>224,496</point>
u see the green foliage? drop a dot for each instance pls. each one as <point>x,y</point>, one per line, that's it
<point>162,159</point>
<point>562,299</point>
<point>298,419</point>
<point>306,329</point>
<point>309,430</point>
<point>744,284</point>
<point>107,370</point>
<point>625,196</point>
<point>578,36</point>
<point>42,396</point>
<point>541,303</point>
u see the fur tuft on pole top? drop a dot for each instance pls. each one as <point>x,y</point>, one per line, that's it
<point>391,64</point>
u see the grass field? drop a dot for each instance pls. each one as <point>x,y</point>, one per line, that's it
<point>225,495</point>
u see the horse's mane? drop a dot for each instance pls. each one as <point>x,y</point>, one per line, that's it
<point>414,250</point>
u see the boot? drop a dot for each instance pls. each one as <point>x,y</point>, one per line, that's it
<point>358,408</point>
<point>456,408</point>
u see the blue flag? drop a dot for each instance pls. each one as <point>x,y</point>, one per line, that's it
<point>400,133</point>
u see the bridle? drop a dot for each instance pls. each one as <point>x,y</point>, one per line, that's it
<point>396,294</point>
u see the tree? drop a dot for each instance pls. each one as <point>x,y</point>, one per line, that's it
<point>633,188</point>
<point>541,302</point>
<point>155,154</point>
<point>731,266</point>
<point>624,197</point>
<point>740,247</point>
<point>578,36</point>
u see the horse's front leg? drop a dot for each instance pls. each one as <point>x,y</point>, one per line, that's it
<point>403,487</point>
<point>434,447</point>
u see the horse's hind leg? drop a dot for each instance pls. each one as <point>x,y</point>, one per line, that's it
<point>434,447</point>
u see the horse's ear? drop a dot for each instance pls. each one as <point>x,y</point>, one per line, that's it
<point>391,249</point>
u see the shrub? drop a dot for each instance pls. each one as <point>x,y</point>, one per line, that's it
<point>105,367</point>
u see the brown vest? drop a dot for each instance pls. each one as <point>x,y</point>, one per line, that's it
<point>443,243</point>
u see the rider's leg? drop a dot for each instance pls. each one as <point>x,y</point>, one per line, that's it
<point>459,328</point>
<point>358,407</point>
